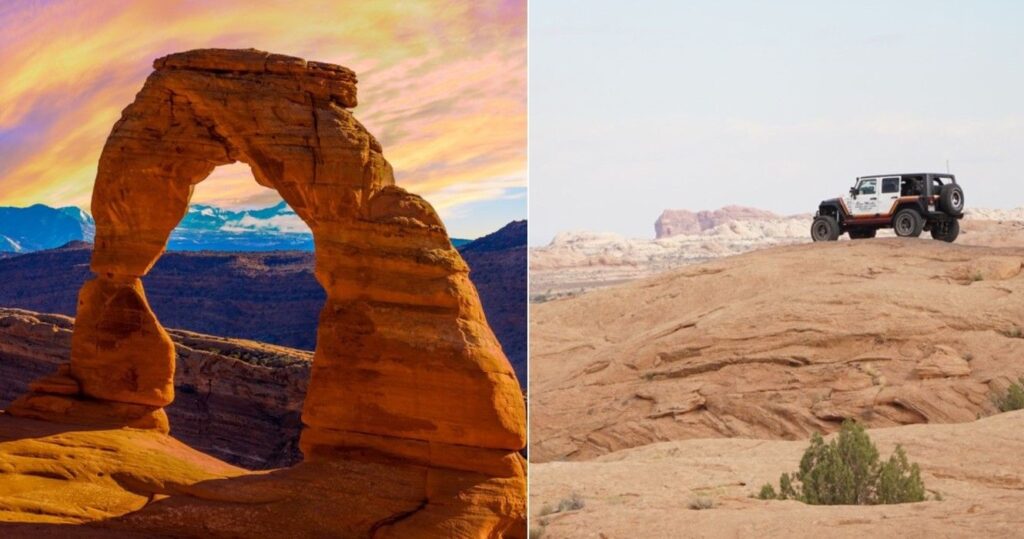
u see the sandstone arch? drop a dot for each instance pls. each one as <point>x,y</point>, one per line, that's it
<point>405,363</point>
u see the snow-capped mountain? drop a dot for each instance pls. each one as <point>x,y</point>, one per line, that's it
<point>218,229</point>
<point>204,228</point>
<point>41,227</point>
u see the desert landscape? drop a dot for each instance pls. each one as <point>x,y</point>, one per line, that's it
<point>577,261</point>
<point>661,405</point>
<point>407,417</point>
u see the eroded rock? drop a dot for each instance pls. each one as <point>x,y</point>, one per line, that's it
<point>405,366</point>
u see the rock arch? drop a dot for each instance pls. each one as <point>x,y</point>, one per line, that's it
<point>405,362</point>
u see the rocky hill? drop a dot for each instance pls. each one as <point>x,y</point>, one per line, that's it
<point>779,343</point>
<point>575,262</point>
<point>271,297</point>
<point>677,222</point>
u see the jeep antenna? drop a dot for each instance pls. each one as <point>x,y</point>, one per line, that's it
<point>947,166</point>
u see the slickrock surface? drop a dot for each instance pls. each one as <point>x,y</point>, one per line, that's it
<point>575,262</point>
<point>646,492</point>
<point>64,481</point>
<point>779,343</point>
<point>237,400</point>
<point>676,222</point>
<point>406,367</point>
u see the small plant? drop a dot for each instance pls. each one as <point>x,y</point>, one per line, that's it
<point>847,471</point>
<point>1015,333</point>
<point>573,503</point>
<point>977,276</point>
<point>536,532</point>
<point>1013,398</point>
<point>701,502</point>
<point>546,509</point>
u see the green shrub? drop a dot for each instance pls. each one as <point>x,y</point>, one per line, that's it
<point>847,471</point>
<point>1013,398</point>
<point>572,503</point>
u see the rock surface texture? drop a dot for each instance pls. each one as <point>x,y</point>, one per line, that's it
<point>971,470</point>
<point>237,400</point>
<point>406,366</point>
<point>779,343</point>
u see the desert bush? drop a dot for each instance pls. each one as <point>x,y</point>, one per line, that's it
<point>701,502</point>
<point>1013,398</point>
<point>572,503</point>
<point>847,471</point>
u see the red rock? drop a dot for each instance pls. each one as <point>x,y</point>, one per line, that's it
<point>405,366</point>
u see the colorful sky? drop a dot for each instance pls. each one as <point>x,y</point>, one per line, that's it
<point>442,85</point>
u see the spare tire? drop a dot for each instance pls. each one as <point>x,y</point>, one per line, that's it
<point>951,199</point>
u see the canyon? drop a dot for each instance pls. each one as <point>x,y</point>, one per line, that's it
<point>271,297</point>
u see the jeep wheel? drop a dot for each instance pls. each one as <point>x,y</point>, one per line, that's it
<point>824,228</point>
<point>951,199</point>
<point>908,223</point>
<point>862,234</point>
<point>946,230</point>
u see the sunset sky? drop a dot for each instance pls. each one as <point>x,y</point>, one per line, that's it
<point>441,84</point>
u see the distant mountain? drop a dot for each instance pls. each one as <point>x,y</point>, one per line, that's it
<point>204,228</point>
<point>497,266</point>
<point>271,297</point>
<point>41,227</point>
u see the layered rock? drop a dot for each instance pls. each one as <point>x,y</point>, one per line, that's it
<point>779,343</point>
<point>237,400</point>
<point>676,222</point>
<point>405,366</point>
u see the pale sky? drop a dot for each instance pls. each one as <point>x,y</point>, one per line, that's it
<point>645,105</point>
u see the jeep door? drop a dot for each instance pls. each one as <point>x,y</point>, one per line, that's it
<point>890,187</point>
<point>865,201</point>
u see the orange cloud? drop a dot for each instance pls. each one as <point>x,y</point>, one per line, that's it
<point>442,85</point>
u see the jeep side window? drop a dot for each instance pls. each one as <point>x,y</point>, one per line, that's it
<point>890,185</point>
<point>867,187</point>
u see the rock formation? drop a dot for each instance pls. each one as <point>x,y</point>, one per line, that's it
<point>405,366</point>
<point>237,400</point>
<point>675,222</point>
<point>779,343</point>
<point>578,261</point>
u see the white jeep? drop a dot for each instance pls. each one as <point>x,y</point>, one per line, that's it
<point>907,203</point>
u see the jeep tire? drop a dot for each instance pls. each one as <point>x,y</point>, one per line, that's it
<point>946,230</point>
<point>863,234</point>
<point>825,228</point>
<point>951,199</point>
<point>908,223</point>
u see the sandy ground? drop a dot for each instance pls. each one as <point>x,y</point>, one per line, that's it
<point>645,492</point>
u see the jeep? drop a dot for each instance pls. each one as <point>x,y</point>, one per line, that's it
<point>907,203</point>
